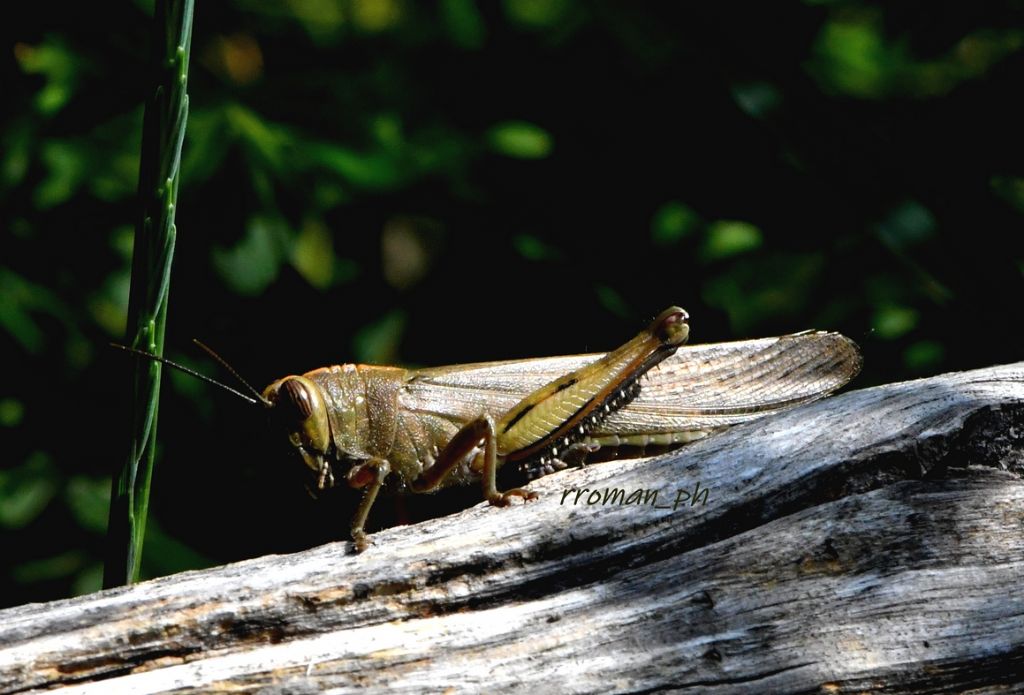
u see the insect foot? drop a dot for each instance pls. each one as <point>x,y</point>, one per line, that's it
<point>503,499</point>
<point>361,540</point>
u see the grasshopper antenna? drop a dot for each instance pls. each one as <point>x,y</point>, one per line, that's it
<point>163,360</point>
<point>209,351</point>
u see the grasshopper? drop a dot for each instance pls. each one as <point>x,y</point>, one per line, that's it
<point>425,429</point>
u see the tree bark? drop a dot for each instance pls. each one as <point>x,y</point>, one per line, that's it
<point>868,541</point>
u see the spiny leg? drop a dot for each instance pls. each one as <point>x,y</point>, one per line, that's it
<point>462,445</point>
<point>575,456</point>
<point>371,475</point>
<point>577,453</point>
<point>498,499</point>
<point>567,409</point>
<point>561,410</point>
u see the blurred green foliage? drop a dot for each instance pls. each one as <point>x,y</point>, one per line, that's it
<point>432,183</point>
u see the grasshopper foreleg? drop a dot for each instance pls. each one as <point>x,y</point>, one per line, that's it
<point>371,475</point>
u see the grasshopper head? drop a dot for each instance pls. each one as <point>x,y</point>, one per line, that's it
<point>298,405</point>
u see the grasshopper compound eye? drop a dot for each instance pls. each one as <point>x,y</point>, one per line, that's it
<point>295,401</point>
<point>298,405</point>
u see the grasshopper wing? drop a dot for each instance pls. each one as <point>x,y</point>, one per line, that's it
<point>700,387</point>
<point>708,386</point>
<point>465,391</point>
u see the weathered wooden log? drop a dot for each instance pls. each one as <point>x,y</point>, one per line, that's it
<point>874,540</point>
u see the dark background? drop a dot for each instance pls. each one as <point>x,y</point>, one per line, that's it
<point>431,183</point>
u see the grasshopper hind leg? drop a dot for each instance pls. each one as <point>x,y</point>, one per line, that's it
<point>490,454</point>
<point>575,456</point>
<point>462,445</point>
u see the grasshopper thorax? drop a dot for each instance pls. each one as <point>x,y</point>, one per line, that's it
<point>297,405</point>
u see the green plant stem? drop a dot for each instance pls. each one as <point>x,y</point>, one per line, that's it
<point>163,132</point>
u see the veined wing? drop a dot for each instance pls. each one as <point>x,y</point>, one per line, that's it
<point>465,391</point>
<point>701,386</point>
<point>726,383</point>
